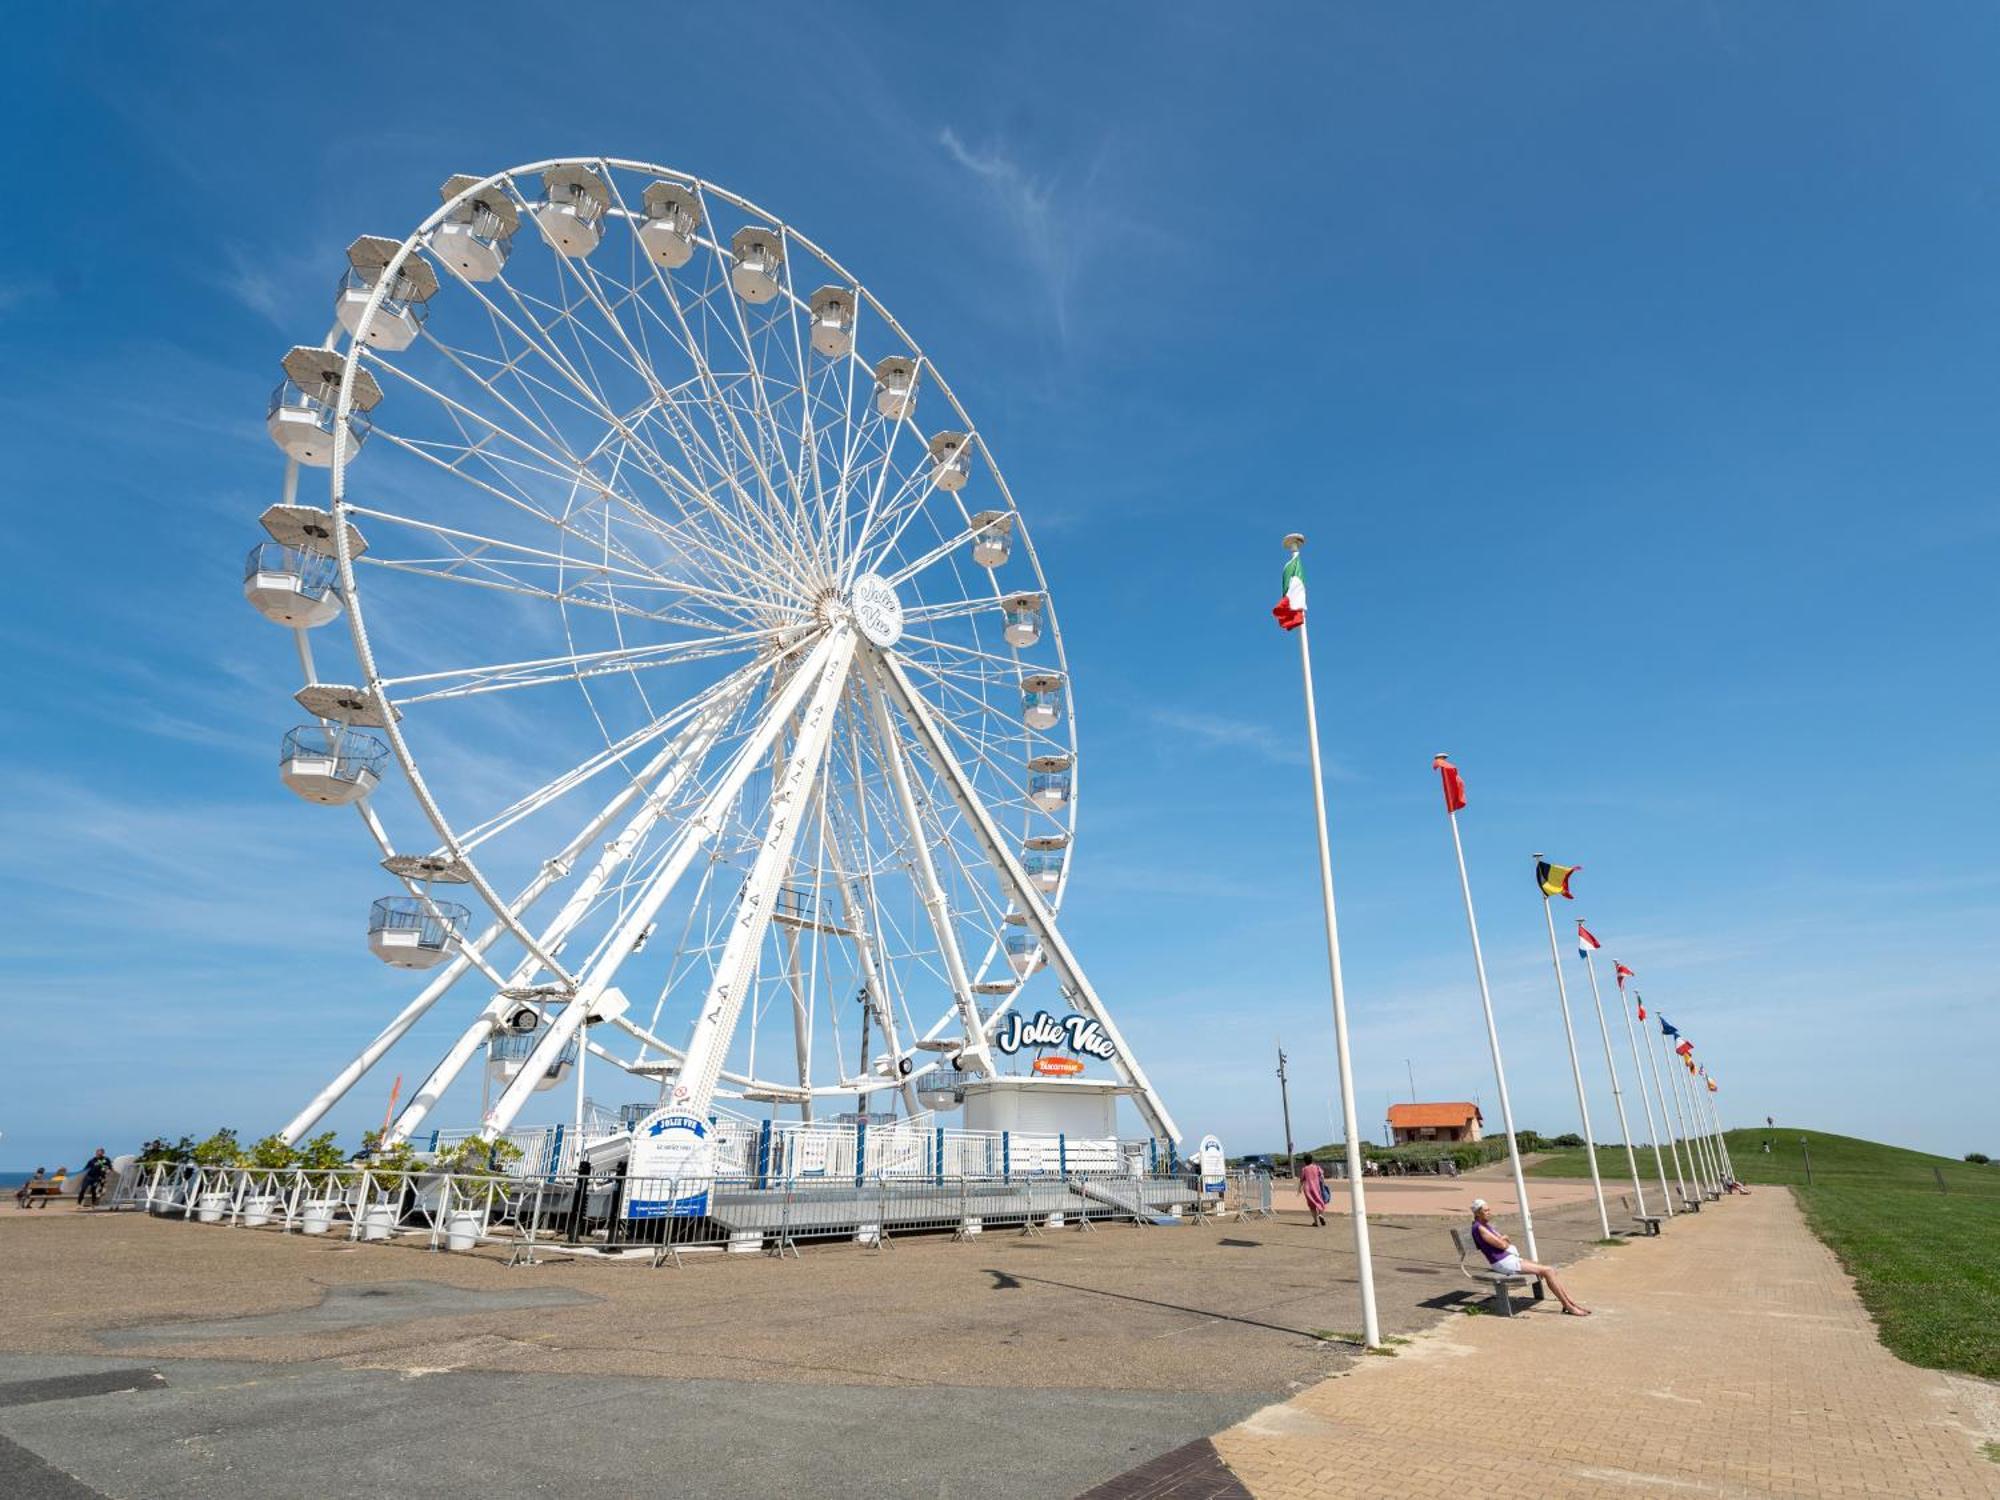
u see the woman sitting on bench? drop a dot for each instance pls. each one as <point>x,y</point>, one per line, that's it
<point>1502,1257</point>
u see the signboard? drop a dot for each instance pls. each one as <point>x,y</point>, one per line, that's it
<point>1058,1066</point>
<point>1076,1033</point>
<point>1214,1167</point>
<point>672,1166</point>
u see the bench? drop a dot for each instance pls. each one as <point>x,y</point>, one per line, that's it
<point>52,1188</point>
<point>1648,1223</point>
<point>1502,1282</point>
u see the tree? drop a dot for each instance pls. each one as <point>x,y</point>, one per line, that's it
<point>1978,1158</point>
<point>1569,1140</point>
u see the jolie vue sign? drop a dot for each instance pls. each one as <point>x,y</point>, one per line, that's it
<point>1074,1033</point>
<point>672,1166</point>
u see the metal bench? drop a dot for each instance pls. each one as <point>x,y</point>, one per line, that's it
<point>1648,1223</point>
<point>1502,1282</point>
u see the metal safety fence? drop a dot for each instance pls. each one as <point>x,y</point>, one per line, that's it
<point>659,1219</point>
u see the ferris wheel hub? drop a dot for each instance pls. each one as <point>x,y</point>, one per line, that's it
<point>878,612</point>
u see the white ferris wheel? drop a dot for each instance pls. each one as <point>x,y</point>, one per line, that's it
<point>706,702</point>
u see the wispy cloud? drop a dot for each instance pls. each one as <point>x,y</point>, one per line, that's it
<point>1219,732</point>
<point>1028,203</point>
<point>254,281</point>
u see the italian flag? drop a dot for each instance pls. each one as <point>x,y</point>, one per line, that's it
<point>1290,611</point>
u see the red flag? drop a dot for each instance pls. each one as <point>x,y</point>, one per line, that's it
<point>1622,974</point>
<point>1454,784</point>
<point>1686,1050</point>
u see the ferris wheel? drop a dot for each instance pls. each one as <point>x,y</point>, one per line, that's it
<point>722,686</point>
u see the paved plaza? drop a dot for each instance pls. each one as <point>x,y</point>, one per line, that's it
<point>143,1358</point>
<point>1730,1358</point>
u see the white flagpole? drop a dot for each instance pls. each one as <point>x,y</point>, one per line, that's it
<point>1667,1120</point>
<point>1721,1135</point>
<point>1715,1129</point>
<point>1575,1064</point>
<point>1639,1072</point>
<point>1696,1160</point>
<point>1701,1127</point>
<point>1493,1039</point>
<point>1617,1095</point>
<point>1371,1331</point>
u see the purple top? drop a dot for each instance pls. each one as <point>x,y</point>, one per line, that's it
<point>1487,1241</point>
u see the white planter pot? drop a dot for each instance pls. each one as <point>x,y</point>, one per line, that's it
<point>461,1228</point>
<point>257,1210</point>
<point>318,1217</point>
<point>378,1221</point>
<point>210,1207</point>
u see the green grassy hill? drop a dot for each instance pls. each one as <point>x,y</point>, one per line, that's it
<point>1923,1257</point>
<point>1837,1160</point>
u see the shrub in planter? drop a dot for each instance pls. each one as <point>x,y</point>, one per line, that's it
<point>476,1156</point>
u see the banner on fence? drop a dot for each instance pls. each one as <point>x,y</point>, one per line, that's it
<point>674,1150</point>
<point>1214,1168</point>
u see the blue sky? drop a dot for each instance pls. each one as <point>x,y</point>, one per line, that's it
<point>1633,370</point>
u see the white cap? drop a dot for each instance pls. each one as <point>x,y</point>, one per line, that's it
<point>1477,1204</point>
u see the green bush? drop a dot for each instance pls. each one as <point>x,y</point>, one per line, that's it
<point>478,1156</point>
<point>1978,1158</point>
<point>1569,1140</point>
<point>273,1154</point>
<point>220,1150</point>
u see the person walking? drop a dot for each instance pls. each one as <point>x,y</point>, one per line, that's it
<point>1312,1184</point>
<point>95,1172</point>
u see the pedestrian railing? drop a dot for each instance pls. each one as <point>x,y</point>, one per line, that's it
<point>611,1213</point>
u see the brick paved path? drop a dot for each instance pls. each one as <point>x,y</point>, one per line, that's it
<point>1730,1357</point>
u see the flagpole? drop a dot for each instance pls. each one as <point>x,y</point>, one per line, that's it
<point>1721,1135</point>
<point>1697,1160</point>
<point>1575,1064</point>
<point>1715,1134</point>
<point>1371,1332</point>
<point>1709,1139</point>
<point>1493,1040</point>
<point>1639,1072</point>
<point>1715,1128</point>
<point>1667,1120</point>
<point>1611,1066</point>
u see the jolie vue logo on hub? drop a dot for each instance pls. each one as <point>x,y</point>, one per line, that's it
<point>1077,1033</point>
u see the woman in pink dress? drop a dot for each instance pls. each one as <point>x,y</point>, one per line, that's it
<point>1312,1183</point>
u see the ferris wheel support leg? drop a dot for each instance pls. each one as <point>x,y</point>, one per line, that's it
<point>675,763</point>
<point>736,971</point>
<point>857,915</point>
<point>1025,896</point>
<point>977,1051</point>
<point>828,661</point>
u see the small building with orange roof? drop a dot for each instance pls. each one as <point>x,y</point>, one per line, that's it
<point>1456,1121</point>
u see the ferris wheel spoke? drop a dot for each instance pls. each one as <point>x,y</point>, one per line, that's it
<point>771,509</point>
<point>564,471</point>
<point>736,686</point>
<point>505,676</point>
<point>586,395</point>
<point>588,280</point>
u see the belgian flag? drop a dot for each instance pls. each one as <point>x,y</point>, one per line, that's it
<point>1554,879</point>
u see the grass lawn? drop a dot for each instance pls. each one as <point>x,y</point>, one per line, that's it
<point>1925,1261</point>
